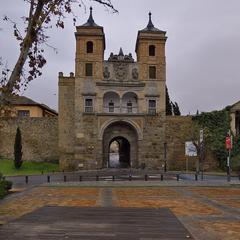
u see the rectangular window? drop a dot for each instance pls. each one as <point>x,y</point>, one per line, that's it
<point>89,69</point>
<point>152,72</point>
<point>23,113</point>
<point>111,107</point>
<point>152,106</point>
<point>129,107</point>
<point>88,105</point>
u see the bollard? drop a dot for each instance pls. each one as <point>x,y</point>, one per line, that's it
<point>161,177</point>
<point>26,179</point>
<point>146,177</point>
<point>80,178</point>
<point>65,178</point>
<point>130,178</point>
<point>113,178</point>
<point>48,179</point>
<point>196,177</point>
<point>97,178</point>
<point>177,177</point>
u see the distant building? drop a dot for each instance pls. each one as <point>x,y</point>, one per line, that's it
<point>235,118</point>
<point>22,106</point>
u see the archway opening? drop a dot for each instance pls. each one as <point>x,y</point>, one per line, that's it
<point>119,153</point>
<point>121,139</point>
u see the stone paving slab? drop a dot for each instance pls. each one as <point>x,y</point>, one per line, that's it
<point>208,212</point>
<point>96,223</point>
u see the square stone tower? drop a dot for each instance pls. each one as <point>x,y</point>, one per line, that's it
<point>112,113</point>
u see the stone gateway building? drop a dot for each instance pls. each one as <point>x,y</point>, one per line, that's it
<point>112,112</point>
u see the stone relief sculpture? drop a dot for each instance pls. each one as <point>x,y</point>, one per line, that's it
<point>106,73</point>
<point>120,70</point>
<point>135,73</point>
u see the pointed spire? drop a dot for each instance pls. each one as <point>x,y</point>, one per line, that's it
<point>120,52</point>
<point>90,22</point>
<point>150,24</point>
<point>150,27</point>
<point>90,19</point>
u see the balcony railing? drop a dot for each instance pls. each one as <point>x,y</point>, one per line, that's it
<point>117,109</point>
<point>88,109</point>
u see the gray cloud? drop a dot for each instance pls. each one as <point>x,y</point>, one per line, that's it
<point>203,47</point>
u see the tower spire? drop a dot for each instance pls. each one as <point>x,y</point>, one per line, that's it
<point>150,24</point>
<point>90,22</point>
<point>120,52</point>
<point>90,19</point>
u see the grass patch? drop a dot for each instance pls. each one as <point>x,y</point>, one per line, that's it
<point>28,168</point>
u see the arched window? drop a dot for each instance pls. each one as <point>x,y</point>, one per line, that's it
<point>89,47</point>
<point>111,102</point>
<point>129,103</point>
<point>152,50</point>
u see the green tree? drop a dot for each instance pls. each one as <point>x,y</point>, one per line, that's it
<point>216,125</point>
<point>176,109</point>
<point>169,110</point>
<point>18,149</point>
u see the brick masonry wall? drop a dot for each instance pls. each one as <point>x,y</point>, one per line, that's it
<point>39,138</point>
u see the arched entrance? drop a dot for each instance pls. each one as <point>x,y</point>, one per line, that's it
<point>119,153</point>
<point>120,145</point>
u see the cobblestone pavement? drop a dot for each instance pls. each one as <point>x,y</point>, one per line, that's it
<point>208,212</point>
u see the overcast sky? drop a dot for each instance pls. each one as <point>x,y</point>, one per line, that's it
<point>202,50</point>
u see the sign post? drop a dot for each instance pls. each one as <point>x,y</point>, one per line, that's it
<point>190,151</point>
<point>229,148</point>
<point>201,141</point>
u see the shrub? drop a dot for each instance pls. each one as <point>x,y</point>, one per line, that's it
<point>5,186</point>
<point>18,149</point>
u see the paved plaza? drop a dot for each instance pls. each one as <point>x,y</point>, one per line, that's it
<point>195,211</point>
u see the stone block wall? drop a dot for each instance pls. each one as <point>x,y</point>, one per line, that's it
<point>151,151</point>
<point>39,138</point>
<point>178,131</point>
<point>40,142</point>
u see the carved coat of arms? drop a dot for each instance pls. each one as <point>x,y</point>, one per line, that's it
<point>120,70</point>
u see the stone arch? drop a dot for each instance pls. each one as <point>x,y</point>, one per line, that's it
<point>130,102</point>
<point>111,101</point>
<point>119,156</point>
<point>125,132</point>
<point>111,121</point>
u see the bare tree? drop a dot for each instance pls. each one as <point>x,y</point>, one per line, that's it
<point>42,15</point>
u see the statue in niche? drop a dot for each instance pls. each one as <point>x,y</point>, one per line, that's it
<point>106,73</point>
<point>135,73</point>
